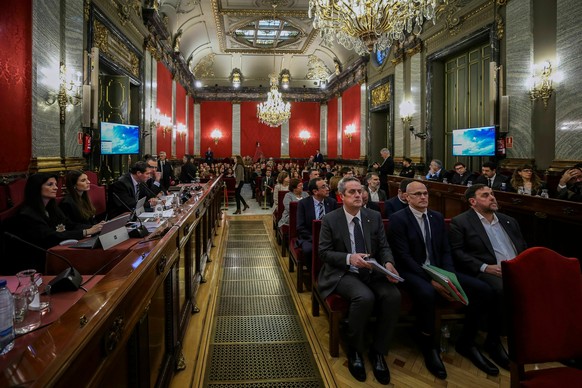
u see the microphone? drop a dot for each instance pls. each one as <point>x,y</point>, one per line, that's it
<point>68,280</point>
<point>150,192</point>
<point>141,231</point>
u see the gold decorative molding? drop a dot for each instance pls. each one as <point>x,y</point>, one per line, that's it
<point>112,47</point>
<point>316,69</point>
<point>380,95</point>
<point>86,9</point>
<point>204,68</point>
<point>499,26</point>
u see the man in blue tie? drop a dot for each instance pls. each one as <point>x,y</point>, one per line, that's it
<point>418,236</point>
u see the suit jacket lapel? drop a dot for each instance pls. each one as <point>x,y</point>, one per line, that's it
<point>414,223</point>
<point>344,231</point>
<point>367,230</point>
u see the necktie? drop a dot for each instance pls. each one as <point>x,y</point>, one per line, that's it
<point>490,182</point>
<point>428,239</point>
<point>320,211</point>
<point>359,237</point>
<point>137,192</point>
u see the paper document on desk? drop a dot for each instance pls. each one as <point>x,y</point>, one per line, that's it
<point>383,270</point>
<point>166,214</point>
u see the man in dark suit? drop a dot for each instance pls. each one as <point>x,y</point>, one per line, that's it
<point>418,236</point>
<point>490,178</point>
<point>129,188</point>
<point>313,173</point>
<point>318,158</point>
<point>348,236</point>
<point>312,208</point>
<point>435,171</point>
<point>407,169</point>
<point>369,204</point>
<point>385,168</point>
<point>209,156</point>
<point>462,176</point>
<point>480,239</point>
<point>166,170</point>
<point>398,202</point>
<point>373,188</point>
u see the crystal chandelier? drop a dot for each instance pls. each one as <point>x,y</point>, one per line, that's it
<point>274,111</point>
<point>369,25</point>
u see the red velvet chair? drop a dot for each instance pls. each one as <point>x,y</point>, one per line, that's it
<point>98,197</point>
<point>230,190</point>
<point>93,177</point>
<point>277,213</point>
<point>543,300</point>
<point>16,191</point>
<point>296,253</point>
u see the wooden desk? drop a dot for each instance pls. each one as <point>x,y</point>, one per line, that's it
<point>128,329</point>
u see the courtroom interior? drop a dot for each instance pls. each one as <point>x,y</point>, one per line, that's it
<point>290,193</point>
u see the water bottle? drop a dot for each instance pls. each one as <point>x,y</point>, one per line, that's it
<point>445,180</point>
<point>27,312</point>
<point>469,183</point>
<point>6,319</point>
<point>159,209</point>
<point>544,193</point>
<point>445,336</point>
<point>503,186</point>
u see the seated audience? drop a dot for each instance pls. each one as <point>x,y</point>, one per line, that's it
<point>526,181</point>
<point>462,176</point>
<point>570,185</point>
<point>418,236</point>
<point>435,171</point>
<point>41,222</point>
<point>481,238</point>
<point>313,173</point>
<point>369,204</point>
<point>345,271</point>
<point>76,205</point>
<point>490,178</point>
<point>407,169</point>
<point>295,193</point>
<point>333,183</point>
<point>399,202</point>
<point>282,184</point>
<point>373,188</point>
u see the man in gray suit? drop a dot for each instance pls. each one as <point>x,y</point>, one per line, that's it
<point>348,236</point>
<point>481,238</point>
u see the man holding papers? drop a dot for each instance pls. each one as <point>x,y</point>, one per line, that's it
<point>349,236</point>
<point>418,237</point>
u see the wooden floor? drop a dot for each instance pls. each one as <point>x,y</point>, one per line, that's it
<point>405,361</point>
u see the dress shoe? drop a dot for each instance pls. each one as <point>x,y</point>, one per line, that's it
<point>245,208</point>
<point>356,365</point>
<point>381,371</point>
<point>237,211</point>
<point>433,362</point>
<point>497,353</point>
<point>474,355</point>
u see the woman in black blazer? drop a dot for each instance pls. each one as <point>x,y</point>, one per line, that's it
<point>76,205</point>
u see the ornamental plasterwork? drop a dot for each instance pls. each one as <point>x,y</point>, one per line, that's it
<point>449,11</point>
<point>186,6</point>
<point>381,95</point>
<point>204,68</point>
<point>316,69</point>
<point>112,47</point>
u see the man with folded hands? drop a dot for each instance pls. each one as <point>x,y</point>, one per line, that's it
<point>349,235</point>
<point>418,236</point>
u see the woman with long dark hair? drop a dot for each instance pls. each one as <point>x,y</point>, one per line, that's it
<point>526,181</point>
<point>239,175</point>
<point>77,205</point>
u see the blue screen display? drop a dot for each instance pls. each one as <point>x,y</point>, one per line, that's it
<point>474,141</point>
<point>119,139</point>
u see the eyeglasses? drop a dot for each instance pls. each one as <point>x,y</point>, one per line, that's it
<point>419,194</point>
<point>526,170</point>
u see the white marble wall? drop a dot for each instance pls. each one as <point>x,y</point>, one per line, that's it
<point>236,129</point>
<point>398,97</point>
<point>416,98</point>
<point>285,139</point>
<point>519,57</point>
<point>568,50</point>
<point>340,129</point>
<point>323,129</point>
<point>174,120</point>
<point>151,98</point>
<point>197,135</point>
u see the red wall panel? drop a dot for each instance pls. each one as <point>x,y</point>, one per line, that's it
<point>180,119</point>
<point>164,104</point>
<point>16,85</point>
<point>304,116</point>
<point>332,128</point>
<point>351,115</point>
<point>216,115</point>
<point>253,131</point>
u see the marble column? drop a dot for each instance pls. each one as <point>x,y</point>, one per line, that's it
<point>236,134</point>
<point>415,150</point>
<point>340,129</point>
<point>197,129</point>
<point>285,139</point>
<point>174,121</point>
<point>151,98</point>
<point>323,129</point>
<point>399,96</point>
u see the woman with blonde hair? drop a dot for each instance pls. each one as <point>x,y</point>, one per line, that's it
<point>526,181</point>
<point>239,176</point>
<point>333,183</point>
<point>282,184</point>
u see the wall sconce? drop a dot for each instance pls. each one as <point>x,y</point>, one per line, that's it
<point>69,91</point>
<point>236,77</point>
<point>285,78</point>
<point>406,113</point>
<point>304,136</point>
<point>541,83</point>
<point>350,131</point>
<point>165,122</point>
<point>181,129</point>
<point>216,135</point>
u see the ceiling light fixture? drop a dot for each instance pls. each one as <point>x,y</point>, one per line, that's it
<point>369,25</point>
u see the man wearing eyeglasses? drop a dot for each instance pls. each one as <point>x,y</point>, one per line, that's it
<point>462,176</point>
<point>349,235</point>
<point>314,207</point>
<point>418,236</point>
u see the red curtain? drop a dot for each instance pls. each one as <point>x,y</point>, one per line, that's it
<point>304,116</point>
<point>351,115</point>
<point>252,132</point>
<point>16,85</point>
<point>216,115</point>
<point>180,119</point>
<point>332,128</point>
<point>164,104</point>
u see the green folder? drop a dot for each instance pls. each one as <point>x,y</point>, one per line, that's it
<point>449,281</point>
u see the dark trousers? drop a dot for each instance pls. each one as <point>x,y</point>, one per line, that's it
<point>425,297</point>
<point>238,197</point>
<point>370,295</point>
<point>496,320</point>
<point>307,249</point>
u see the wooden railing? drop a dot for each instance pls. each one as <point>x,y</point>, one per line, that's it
<point>128,329</point>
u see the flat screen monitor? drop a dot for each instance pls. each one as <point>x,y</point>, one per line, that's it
<point>474,141</point>
<point>119,139</point>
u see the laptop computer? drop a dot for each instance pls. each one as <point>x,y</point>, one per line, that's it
<point>111,234</point>
<point>139,208</point>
